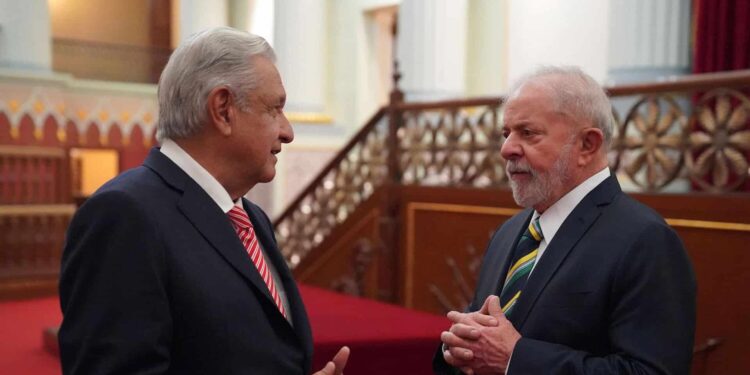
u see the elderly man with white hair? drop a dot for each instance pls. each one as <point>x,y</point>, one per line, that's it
<point>585,280</point>
<point>167,269</point>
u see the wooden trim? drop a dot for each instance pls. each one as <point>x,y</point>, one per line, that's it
<point>412,208</point>
<point>696,82</point>
<point>37,210</point>
<point>28,288</point>
<point>53,152</point>
<point>446,104</point>
<point>463,208</point>
<point>705,224</point>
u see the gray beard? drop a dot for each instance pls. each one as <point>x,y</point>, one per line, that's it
<point>542,184</point>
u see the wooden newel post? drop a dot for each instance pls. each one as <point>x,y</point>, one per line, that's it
<point>389,223</point>
<point>395,118</point>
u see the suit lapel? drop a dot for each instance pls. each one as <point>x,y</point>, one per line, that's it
<point>214,225</point>
<point>207,218</point>
<point>296,306</point>
<point>507,245</point>
<point>265,236</point>
<point>571,231</point>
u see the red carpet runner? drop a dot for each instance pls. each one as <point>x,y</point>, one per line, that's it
<point>384,339</point>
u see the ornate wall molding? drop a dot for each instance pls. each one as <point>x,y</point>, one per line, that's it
<point>79,102</point>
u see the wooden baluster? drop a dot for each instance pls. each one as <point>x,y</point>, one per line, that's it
<point>36,181</point>
<point>50,180</point>
<point>27,176</point>
<point>13,180</point>
<point>27,240</point>
<point>30,229</point>
<point>51,247</point>
<point>39,232</point>
<point>43,172</point>
<point>4,243</point>
<point>23,179</point>
<point>58,181</point>
<point>57,229</point>
<point>3,178</point>
<point>14,244</point>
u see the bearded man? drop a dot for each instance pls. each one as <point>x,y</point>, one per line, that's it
<point>586,280</point>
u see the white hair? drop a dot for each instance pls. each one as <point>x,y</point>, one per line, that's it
<point>211,58</point>
<point>574,93</point>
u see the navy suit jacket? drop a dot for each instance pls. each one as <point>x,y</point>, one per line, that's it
<point>614,292</point>
<point>155,281</point>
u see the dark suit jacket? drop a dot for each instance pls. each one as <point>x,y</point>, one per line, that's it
<point>155,280</point>
<point>614,292</point>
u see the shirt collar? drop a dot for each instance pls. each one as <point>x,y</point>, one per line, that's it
<point>200,175</point>
<point>555,215</point>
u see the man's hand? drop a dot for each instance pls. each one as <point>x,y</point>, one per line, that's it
<point>462,335</point>
<point>480,342</point>
<point>337,364</point>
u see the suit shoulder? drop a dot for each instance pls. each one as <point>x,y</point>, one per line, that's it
<point>140,183</point>
<point>634,213</point>
<point>642,228</point>
<point>137,189</point>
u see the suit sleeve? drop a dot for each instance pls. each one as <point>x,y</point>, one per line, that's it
<point>116,316</point>
<point>651,322</point>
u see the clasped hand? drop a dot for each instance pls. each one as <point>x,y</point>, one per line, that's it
<point>480,342</point>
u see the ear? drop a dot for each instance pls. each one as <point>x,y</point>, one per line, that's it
<point>221,109</point>
<point>592,140</point>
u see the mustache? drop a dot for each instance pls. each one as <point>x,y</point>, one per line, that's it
<point>519,166</point>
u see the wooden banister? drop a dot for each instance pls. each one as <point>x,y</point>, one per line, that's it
<point>358,137</point>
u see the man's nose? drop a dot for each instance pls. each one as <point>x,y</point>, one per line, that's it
<point>286,135</point>
<point>510,149</point>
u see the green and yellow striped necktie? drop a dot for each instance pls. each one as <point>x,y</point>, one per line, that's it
<point>524,257</point>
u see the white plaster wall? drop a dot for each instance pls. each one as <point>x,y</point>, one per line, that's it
<point>352,94</point>
<point>262,19</point>
<point>301,49</point>
<point>545,32</point>
<point>432,48</point>
<point>25,35</point>
<point>487,50</point>
<point>197,15</point>
<point>647,34</point>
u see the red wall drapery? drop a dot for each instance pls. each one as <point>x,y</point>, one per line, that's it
<point>722,35</point>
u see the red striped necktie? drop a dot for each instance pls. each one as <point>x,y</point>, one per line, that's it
<point>244,228</point>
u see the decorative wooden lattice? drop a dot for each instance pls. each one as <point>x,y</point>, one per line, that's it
<point>662,142</point>
<point>350,179</point>
<point>454,146</point>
